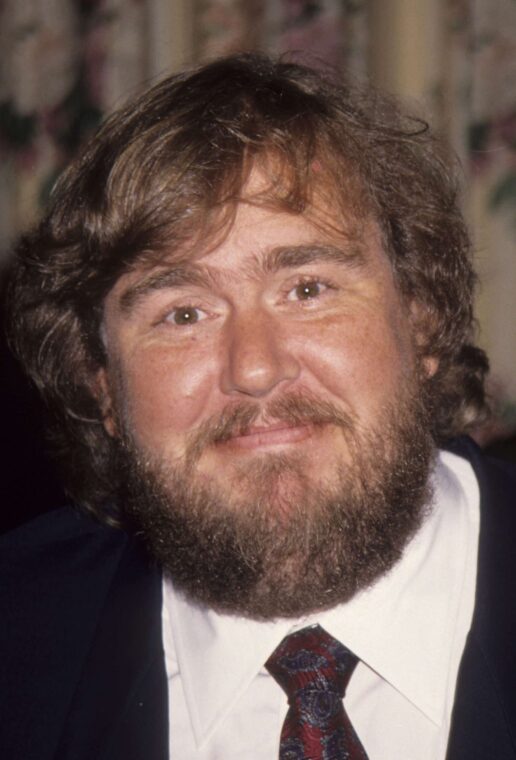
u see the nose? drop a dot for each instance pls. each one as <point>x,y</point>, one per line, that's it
<point>258,357</point>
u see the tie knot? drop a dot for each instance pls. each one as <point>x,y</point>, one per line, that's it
<point>310,665</point>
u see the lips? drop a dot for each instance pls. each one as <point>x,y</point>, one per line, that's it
<point>258,436</point>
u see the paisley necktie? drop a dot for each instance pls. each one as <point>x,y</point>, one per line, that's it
<point>314,669</point>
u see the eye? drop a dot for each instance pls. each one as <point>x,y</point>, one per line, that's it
<point>307,290</point>
<point>185,315</point>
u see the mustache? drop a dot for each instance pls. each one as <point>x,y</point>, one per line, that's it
<point>237,419</point>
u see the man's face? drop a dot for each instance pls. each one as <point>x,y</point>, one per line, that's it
<point>268,373</point>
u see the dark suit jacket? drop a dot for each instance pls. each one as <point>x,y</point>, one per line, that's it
<point>82,672</point>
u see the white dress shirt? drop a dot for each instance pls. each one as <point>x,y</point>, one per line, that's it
<point>408,632</point>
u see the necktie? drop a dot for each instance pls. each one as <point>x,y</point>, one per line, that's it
<point>314,669</point>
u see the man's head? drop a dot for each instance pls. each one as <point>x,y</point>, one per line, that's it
<point>250,308</point>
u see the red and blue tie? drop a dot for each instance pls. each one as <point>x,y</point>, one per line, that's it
<point>314,669</point>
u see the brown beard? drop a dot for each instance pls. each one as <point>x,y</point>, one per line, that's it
<point>289,547</point>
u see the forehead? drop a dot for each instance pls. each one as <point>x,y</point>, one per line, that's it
<point>257,232</point>
<point>310,201</point>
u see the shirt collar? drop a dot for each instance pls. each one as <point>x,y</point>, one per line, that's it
<point>403,627</point>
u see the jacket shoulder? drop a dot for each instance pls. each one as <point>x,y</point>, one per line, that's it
<point>484,718</point>
<point>56,573</point>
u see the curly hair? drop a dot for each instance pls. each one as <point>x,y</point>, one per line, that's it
<point>161,173</point>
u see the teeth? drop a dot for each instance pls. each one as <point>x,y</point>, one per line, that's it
<point>265,429</point>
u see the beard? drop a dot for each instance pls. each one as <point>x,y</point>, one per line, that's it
<point>271,540</point>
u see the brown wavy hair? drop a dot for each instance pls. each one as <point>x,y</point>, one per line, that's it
<point>157,176</point>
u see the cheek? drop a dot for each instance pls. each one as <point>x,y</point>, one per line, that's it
<point>360,360</point>
<point>165,396</point>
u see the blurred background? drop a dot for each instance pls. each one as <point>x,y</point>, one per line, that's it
<point>65,64</point>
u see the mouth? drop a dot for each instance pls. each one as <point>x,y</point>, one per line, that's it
<point>281,434</point>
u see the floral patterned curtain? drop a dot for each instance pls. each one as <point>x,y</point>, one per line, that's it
<point>329,31</point>
<point>62,63</point>
<point>478,91</point>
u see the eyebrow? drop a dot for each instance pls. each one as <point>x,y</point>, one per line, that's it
<point>268,262</point>
<point>177,276</point>
<point>288,257</point>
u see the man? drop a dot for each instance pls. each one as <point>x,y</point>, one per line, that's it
<point>249,311</point>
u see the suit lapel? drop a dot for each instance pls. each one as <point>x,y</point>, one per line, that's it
<point>484,716</point>
<point>120,709</point>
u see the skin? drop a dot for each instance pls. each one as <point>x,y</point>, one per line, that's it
<point>286,304</point>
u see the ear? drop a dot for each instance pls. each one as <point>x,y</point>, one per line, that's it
<point>421,319</point>
<point>430,365</point>
<point>104,398</point>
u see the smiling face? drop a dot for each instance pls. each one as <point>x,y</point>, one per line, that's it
<point>279,307</point>
<point>263,379</point>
